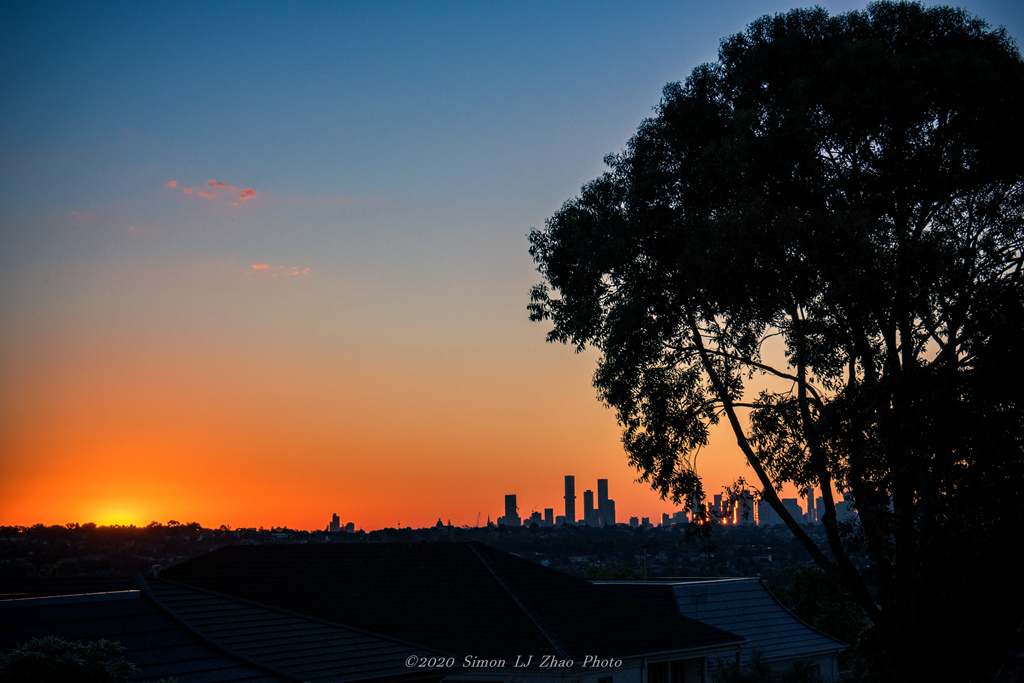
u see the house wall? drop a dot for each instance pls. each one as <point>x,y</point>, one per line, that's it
<point>827,667</point>
<point>632,670</point>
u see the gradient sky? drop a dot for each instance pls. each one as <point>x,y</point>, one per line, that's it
<point>262,262</point>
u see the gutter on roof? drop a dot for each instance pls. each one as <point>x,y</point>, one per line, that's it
<point>704,651</point>
<point>69,598</point>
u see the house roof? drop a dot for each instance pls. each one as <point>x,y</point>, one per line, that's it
<point>306,648</point>
<point>462,598</point>
<point>157,644</point>
<point>746,607</point>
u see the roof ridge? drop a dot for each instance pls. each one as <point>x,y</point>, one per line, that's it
<point>148,594</point>
<point>519,600</point>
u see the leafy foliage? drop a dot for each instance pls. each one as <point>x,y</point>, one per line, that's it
<point>55,660</point>
<point>831,216</point>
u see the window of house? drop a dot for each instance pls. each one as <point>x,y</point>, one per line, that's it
<point>667,672</point>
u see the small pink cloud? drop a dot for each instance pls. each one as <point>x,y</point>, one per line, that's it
<point>271,270</point>
<point>83,217</point>
<point>211,192</point>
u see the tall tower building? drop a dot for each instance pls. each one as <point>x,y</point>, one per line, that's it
<point>812,512</point>
<point>511,516</point>
<point>766,514</point>
<point>570,499</point>
<point>588,509</point>
<point>603,514</point>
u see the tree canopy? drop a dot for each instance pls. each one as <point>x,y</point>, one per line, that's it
<point>836,205</point>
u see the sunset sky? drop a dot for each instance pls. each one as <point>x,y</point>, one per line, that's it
<point>263,262</point>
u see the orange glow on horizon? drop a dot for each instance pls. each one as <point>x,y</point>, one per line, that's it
<point>268,406</point>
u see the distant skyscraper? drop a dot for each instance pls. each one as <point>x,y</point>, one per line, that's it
<point>549,516</point>
<point>812,512</point>
<point>766,515</point>
<point>602,503</point>
<point>846,510</point>
<point>570,499</point>
<point>511,516</point>
<point>589,517</point>
<point>335,526</point>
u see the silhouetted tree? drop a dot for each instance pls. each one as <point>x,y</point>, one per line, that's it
<point>819,239</point>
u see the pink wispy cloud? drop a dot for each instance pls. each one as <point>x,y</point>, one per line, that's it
<point>273,270</point>
<point>213,188</point>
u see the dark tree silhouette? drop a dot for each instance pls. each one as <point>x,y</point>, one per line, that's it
<point>835,205</point>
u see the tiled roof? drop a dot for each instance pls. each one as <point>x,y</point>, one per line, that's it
<point>307,648</point>
<point>746,607</point>
<point>608,619</point>
<point>463,598</point>
<point>157,644</point>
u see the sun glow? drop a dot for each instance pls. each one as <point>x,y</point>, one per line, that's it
<point>117,516</point>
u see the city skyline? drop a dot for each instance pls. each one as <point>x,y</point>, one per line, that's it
<point>740,511</point>
<point>261,264</point>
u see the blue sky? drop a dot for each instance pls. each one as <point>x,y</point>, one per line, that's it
<point>374,283</point>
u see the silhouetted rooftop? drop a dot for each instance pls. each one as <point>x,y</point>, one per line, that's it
<point>461,598</point>
<point>746,607</point>
<point>304,647</point>
<point>156,643</point>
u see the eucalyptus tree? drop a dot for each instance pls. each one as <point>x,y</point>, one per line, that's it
<point>835,205</point>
